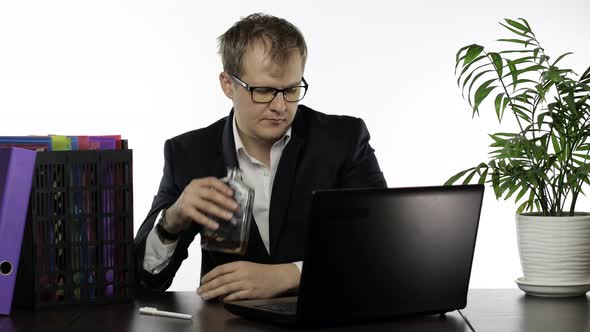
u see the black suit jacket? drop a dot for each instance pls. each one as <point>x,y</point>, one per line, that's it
<point>324,152</point>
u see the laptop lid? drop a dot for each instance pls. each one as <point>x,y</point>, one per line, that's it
<point>378,253</point>
<point>375,253</point>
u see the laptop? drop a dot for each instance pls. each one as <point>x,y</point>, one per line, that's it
<point>374,254</point>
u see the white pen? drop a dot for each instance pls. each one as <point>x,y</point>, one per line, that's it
<point>156,312</point>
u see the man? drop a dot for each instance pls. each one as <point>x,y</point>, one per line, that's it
<point>285,151</point>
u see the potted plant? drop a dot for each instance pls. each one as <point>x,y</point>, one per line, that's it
<point>545,163</point>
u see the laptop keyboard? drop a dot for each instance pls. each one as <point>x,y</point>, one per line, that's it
<point>286,307</point>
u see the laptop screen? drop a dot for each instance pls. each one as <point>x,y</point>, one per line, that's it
<point>385,252</point>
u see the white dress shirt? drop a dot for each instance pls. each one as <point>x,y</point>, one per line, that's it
<point>255,174</point>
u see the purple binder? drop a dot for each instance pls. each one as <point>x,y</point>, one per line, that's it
<point>16,175</point>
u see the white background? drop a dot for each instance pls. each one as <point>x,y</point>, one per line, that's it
<point>149,70</point>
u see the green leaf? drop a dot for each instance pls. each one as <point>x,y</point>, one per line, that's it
<point>469,177</point>
<point>530,200</point>
<point>583,170</point>
<point>466,67</point>
<point>483,176</point>
<point>584,156</point>
<point>496,183</point>
<point>525,70</point>
<point>531,41</point>
<point>519,110</point>
<point>498,105</point>
<point>472,52</point>
<point>541,90</point>
<point>543,176</point>
<point>497,61</point>
<point>521,193</point>
<point>522,207</point>
<point>482,92</point>
<point>513,188</point>
<point>465,81</point>
<point>532,179</point>
<point>498,142</point>
<point>527,25</point>
<point>521,81</point>
<point>516,51</point>
<point>552,75</point>
<point>506,134</point>
<point>556,146</point>
<point>582,101</point>
<point>566,71</point>
<point>458,56</point>
<point>514,30</point>
<point>474,80</point>
<point>561,57</point>
<point>517,25</point>
<point>479,97</point>
<point>499,151</point>
<point>517,41</point>
<point>513,72</point>
<point>524,98</point>
<point>540,118</point>
<point>456,177</point>
<point>543,58</point>
<point>506,183</point>
<point>578,162</point>
<point>569,99</point>
<point>524,59</point>
<point>505,103</point>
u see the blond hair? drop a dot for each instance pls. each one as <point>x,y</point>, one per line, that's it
<point>279,37</point>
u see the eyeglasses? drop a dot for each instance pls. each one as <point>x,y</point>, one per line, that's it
<point>264,94</point>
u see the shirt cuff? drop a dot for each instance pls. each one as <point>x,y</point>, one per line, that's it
<point>299,265</point>
<point>157,254</point>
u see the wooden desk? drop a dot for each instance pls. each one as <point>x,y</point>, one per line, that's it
<point>510,310</point>
<point>487,310</point>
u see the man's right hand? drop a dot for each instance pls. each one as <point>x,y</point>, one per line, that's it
<point>200,199</point>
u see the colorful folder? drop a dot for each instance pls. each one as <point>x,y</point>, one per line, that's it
<point>16,176</point>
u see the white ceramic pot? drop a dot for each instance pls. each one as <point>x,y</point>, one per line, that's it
<point>554,250</point>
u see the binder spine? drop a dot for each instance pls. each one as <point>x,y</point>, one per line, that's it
<point>16,168</point>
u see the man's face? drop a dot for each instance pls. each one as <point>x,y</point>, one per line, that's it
<point>264,123</point>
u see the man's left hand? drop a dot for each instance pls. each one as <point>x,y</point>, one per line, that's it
<point>246,280</point>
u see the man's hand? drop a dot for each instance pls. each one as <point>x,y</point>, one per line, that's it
<point>246,280</point>
<point>201,198</point>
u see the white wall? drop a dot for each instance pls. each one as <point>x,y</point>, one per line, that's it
<point>148,70</point>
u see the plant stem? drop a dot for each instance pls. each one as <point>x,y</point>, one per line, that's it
<point>542,199</point>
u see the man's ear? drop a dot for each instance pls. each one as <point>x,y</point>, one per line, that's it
<point>226,84</point>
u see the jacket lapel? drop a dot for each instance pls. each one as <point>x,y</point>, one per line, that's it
<point>228,145</point>
<point>284,180</point>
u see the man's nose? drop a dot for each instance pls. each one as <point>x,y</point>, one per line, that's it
<point>278,103</point>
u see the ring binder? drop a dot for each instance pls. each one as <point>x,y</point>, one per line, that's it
<point>16,174</point>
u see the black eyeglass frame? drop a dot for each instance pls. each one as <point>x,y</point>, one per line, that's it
<point>250,89</point>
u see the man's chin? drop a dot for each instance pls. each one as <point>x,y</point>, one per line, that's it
<point>272,135</point>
